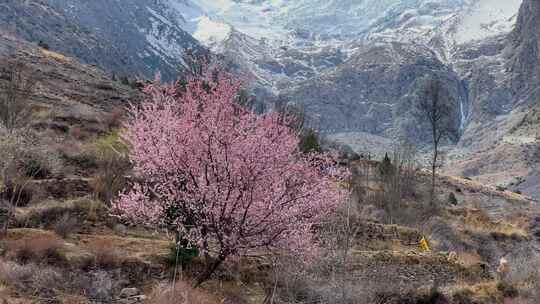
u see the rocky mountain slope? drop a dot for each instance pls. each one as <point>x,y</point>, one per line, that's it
<point>501,142</point>
<point>135,38</point>
<point>71,99</point>
<point>292,47</point>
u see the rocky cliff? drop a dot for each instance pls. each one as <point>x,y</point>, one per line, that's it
<point>377,90</point>
<point>501,142</point>
<point>524,49</point>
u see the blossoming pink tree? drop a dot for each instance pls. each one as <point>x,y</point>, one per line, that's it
<point>230,181</point>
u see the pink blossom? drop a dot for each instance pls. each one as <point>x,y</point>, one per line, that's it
<point>222,175</point>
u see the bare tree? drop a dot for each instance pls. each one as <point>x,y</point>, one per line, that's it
<point>433,105</point>
<point>17,83</point>
<point>398,180</point>
<point>291,114</point>
<point>14,183</point>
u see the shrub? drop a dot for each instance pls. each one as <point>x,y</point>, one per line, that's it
<point>104,254</point>
<point>452,200</point>
<point>101,286</point>
<point>113,165</point>
<point>124,80</point>
<point>434,296</point>
<point>46,281</point>
<point>104,86</point>
<point>181,255</point>
<point>22,160</point>
<point>85,160</point>
<point>355,156</point>
<point>16,275</point>
<point>114,120</point>
<point>76,132</point>
<point>66,225</point>
<point>507,290</point>
<point>18,192</point>
<point>463,296</point>
<point>500,188</point>
<point>35,160</point>
<point>44,45</point>
<point>35,168</point>
<point>309,141</point>
<point>38,249</point>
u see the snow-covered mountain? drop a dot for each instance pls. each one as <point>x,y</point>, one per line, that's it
<point>292,36</point>
<point>328,21</point>
<point>288,46</point>
<point>290,49</point>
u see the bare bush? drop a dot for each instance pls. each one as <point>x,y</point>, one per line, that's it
<point>101,286</point>
<point>398,178</point>
<point>524,272</point>
<point>17,83</point>
<point>45,282</point>
<point>114,119</point>
<point>327,279</point>
<point>104,254</point>
<point>48,213</point>
<point>66,225</point>
<point>24,158</point>
<point>15,274</point>
<point>38,249</point>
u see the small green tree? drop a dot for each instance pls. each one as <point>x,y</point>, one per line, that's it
<point>124,80</point>
<point>452,199</point>
<point>385,167</point>
<point>309,141</point>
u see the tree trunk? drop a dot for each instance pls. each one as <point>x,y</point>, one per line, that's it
<point>209,271</point>
<point>433,173</point>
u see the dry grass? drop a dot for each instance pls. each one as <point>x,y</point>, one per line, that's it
<point>475,219</point>
<point>485,189</point>
<point>469,259</point>
<point>105,254</point>
<point>130,246</point>
<point>181,293</point>
<point>48,214</point>
<point>485,292</point>
<point>54,55</point>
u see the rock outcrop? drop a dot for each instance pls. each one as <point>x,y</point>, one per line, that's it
<point>377,91</point>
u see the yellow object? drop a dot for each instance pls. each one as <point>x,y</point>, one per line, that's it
<point>424,246</point>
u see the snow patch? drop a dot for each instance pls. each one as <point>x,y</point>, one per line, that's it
<point>487,18</point>
<point>210,32</point>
